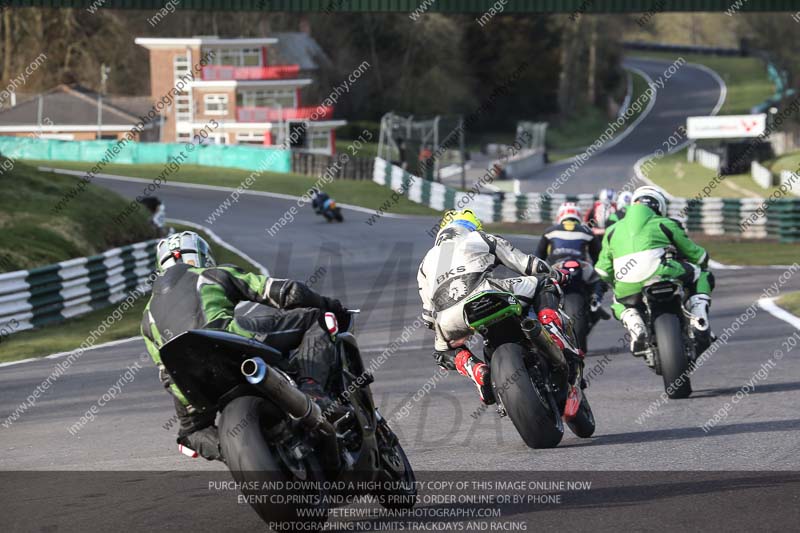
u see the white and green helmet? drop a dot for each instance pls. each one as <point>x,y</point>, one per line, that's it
<point>187,248</point>
<point>653,197</point>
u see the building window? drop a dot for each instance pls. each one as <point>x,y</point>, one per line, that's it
<point>318,140</point>
<point>236,57</point>
<point>250,137</point>
<point>267,98</point>
<point>216,104</point>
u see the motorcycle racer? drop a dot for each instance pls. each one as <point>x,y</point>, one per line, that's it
<point>570,239</point>
<point>602,208</point>
<point>638,248</point>
<point>623,201</point>
<point>191,292</point>
<point>459,265</point>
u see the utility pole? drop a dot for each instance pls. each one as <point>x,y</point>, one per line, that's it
<point>591,92</point>
<point>104,70</point>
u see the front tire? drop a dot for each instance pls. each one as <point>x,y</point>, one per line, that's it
<point>538,426</point>
<point>674,365</point>
<point>399,483</point>
<point>251,459</point>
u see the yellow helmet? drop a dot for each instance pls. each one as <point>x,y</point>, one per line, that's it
<point>465,218</point>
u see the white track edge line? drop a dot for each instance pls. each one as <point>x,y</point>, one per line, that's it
<point>213,188</point>
<point>769,305</point>
<point>217,239</point>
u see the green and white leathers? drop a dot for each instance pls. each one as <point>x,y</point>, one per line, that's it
<point>633,251</point>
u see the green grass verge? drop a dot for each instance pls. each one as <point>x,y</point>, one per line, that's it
<point>364,193</point>
<point>571,136</point>
<point>723,249</point>
<point>791,302</point>
<point>745,77</point>
<point>68,335</point>
<point>790,161</point>
<point>733,251</point>
<point>32,234</point>
<point>681,178</point>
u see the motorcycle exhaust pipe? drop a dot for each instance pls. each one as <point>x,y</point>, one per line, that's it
<point>295,402</point>
<point>540,339</point>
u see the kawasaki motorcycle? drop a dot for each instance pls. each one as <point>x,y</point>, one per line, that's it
<point>528,379</point>
<point>672,344</point>
<point>293,461</point>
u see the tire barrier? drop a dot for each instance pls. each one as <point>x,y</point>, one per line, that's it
<point>53,293</point>
<point>756,218</point>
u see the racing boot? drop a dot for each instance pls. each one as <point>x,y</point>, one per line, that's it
<point>698,307</point>
<point>203,442</point>
<point>633,322</point>
<point>470,366</point>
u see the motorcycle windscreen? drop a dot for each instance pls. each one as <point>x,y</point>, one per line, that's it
<point>206,364</point>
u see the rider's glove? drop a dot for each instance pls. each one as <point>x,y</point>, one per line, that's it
<point>561,276</point>
<point>445,360</point>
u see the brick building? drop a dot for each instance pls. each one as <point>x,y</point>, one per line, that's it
<point>242,85</point>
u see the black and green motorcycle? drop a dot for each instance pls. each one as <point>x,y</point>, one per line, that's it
<point>533,384</point>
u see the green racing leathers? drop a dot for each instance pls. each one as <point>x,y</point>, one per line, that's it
<point>634,250</point>
<point>186,298</point>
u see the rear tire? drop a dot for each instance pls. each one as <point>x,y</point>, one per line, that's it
<point>575,306</point>
<point>674,365</point>
<point>528,411</point>
<point>251,459</point>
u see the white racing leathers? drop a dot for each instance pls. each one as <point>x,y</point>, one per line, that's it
<point>458,266</point>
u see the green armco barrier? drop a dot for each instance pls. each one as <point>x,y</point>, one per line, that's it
<point>743,217</point>
<point>218,155</point>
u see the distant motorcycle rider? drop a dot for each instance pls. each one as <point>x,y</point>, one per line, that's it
<point>637,248</point>
<point>191,292</point>
<point>570,239</point>
<point>602,208</point>
<point>623,201</point>
<point>319,199</point>
<point>459,265</point>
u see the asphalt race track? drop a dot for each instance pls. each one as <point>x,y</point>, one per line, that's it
<point>374,268</point>
<point>690,91</point>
